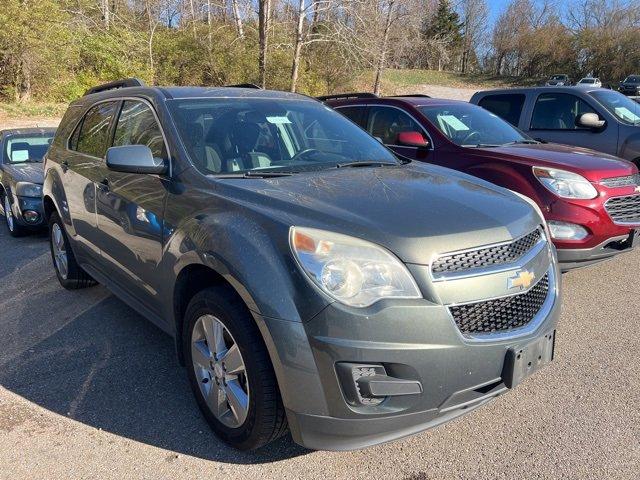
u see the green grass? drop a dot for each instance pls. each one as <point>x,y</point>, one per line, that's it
<point>395,80</point>
<point>32,109</point>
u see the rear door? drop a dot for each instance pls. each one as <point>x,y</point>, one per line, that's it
<point>81,171</point>
<point>130,206</point>
<point>554,120</point>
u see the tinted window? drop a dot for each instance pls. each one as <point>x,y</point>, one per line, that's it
<point>355,114</point>
<point>558,111</point>
<point>386,123</point>
<point>94,132</point>
<point>471,126</point>
<point>138,126</point>
<point>239,135</point>
<point>509,107</point>
<point>26,148</point>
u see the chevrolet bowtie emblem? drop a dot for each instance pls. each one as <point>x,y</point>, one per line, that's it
<point>522,280</point>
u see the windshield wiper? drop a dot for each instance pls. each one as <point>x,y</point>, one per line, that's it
<point>365,164</point>
<point>253,174</point>
<point>483,145</point>
<point>521,142</point>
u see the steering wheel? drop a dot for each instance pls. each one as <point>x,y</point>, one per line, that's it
<point>302,153</point>
<point>471,136</point>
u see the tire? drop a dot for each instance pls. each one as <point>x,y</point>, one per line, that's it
<point>14,229</point>
<point>70,275</point>
<point>264,419</point>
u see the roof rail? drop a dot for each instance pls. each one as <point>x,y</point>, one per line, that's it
<point>125,82</point>
<point>347,95</point>
<point>412,95</point>
<point>244,85</point>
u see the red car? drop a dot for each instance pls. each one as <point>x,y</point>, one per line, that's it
<point>591,200</point>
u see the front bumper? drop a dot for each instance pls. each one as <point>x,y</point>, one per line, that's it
<point>571,258</point>
<point>32,204</point>
<point>415,340</point>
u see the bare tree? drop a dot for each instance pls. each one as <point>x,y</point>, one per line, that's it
<point>264,17</point>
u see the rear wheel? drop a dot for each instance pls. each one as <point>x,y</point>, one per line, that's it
<point>70,275</point>
<point>230,371</point>
<point>15,230</point>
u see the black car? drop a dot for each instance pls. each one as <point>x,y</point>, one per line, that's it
<point>21,153</point>
<point>630,86</point>
<point>560,80</point>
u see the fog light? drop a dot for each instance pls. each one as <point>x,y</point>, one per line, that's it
<point>566,231</point>
<point>31,216</point>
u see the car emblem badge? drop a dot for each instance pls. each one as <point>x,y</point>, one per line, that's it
<point>522,280</point>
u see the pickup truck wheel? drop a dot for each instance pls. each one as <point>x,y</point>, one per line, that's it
<point>70,275</point>
<point>15,230</point>
<point>230,371</point>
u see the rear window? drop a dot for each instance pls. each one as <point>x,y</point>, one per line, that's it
<point>27,148</point>
<point>508,107</point>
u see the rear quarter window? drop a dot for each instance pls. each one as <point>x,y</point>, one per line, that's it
<point>507,106</point>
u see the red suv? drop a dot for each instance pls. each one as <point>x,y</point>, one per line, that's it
<point>591,200</point>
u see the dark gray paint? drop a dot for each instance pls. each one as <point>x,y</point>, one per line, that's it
<point>238,229</point>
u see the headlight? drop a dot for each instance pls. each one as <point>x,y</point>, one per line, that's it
<point>353,271</point>
<point>565,184</point>
<point>26,189</point>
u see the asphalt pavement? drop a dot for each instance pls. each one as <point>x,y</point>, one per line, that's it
<point>89,389</point>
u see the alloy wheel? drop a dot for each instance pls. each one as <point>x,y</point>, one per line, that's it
<point>8,214</point>
<point>59,251</point>
<point>220,371</point>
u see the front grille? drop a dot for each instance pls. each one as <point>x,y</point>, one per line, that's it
<point>502,314</point>
<point>626,181</point>
<point>624,210</point>
<point>486,257</point>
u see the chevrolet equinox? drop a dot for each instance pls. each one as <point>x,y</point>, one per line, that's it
<point>312,280</point>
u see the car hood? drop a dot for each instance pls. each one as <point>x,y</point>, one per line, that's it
<point>25,172</point>
<point>413,210</point>
<point>588,163</point>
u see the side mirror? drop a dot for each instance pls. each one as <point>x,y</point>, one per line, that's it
<point>134,159</point>
<point>412,139</point>
<point>589,120</point>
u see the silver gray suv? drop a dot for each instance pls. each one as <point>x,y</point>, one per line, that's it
<point>312,280</point>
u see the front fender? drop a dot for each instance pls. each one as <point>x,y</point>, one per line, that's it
<point>53,190</point>
<point>630,148</point>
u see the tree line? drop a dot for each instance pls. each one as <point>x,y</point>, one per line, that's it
<point>55,49</point>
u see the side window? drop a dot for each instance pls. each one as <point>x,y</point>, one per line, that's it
<point>138,126</point>
<point>355,114</point>
<point>508,107</point>
<point>558,111</point>
<point>93,137</point>
<point>386,123</point>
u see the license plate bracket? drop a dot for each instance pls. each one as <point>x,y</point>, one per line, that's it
<point>523,361</point>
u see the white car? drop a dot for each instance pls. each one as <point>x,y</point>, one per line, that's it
<point>589,82</point>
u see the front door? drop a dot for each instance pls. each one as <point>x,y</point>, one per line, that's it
<point>130,207</point>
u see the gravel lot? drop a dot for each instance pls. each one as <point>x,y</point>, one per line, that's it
<point>89,389</point>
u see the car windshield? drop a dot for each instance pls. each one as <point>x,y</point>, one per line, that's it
<point>622,107</point>
<point>27,148</point>
<point>558,77</point>
<point>235,136</point>
<point>632,79</point>
<point>472,126</point>
<point>588,80</point>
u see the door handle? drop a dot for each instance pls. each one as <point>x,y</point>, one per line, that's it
<point>104,185</point>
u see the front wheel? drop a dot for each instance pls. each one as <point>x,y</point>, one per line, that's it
<point>70,274</point>
<point>230,371</point>
<point>15,230</point>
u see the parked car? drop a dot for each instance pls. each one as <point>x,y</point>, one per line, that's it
<point>560,80</point>
<point>630,86</point>
<point>310,278</point>
<point>588,198</point>
<point>589,82</point>
<point>602,120</point>
<point>21,152</point>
